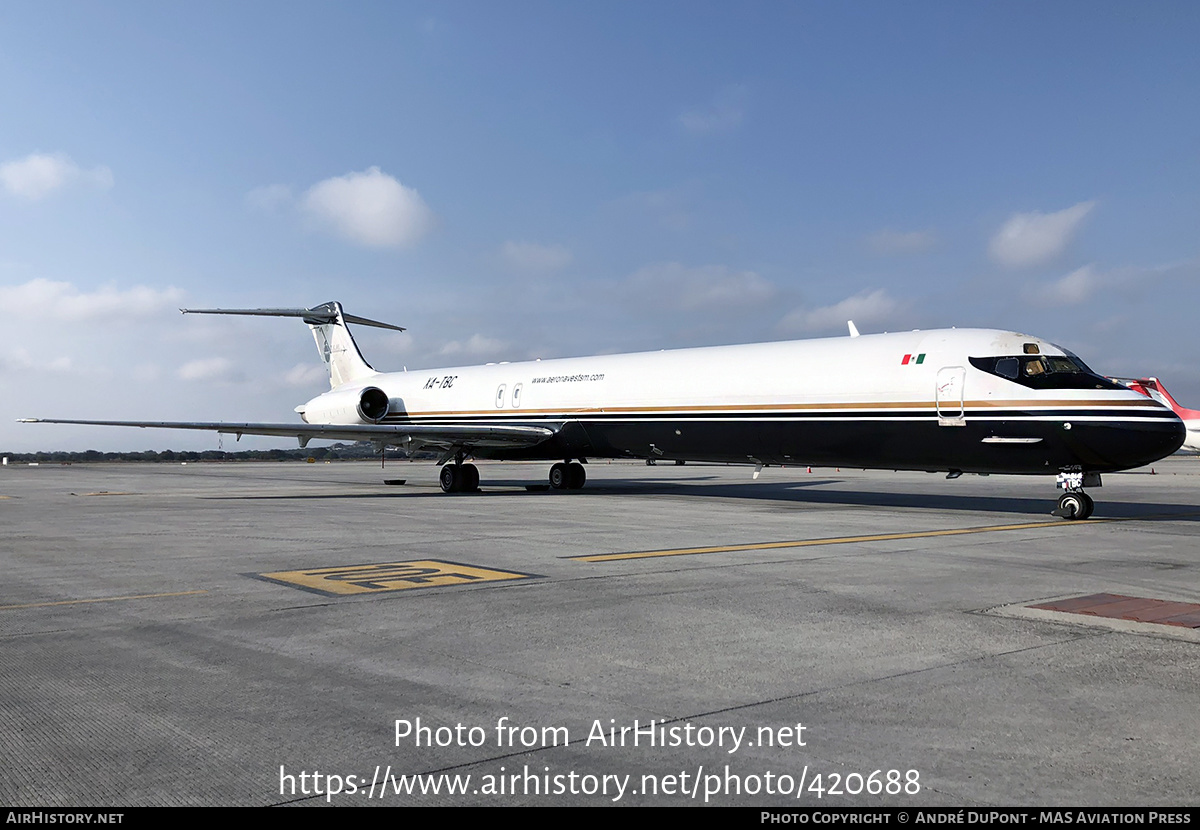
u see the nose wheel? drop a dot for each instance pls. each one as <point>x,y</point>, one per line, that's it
<point>1074,503</point>
<point>1075,506</point>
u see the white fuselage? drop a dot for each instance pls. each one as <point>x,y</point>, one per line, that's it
<point>905,400</point>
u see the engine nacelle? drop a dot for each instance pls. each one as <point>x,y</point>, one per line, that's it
<point>373,404</point>
<point>369,405</point>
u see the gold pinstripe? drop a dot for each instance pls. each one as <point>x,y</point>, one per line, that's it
<point>802,407</point>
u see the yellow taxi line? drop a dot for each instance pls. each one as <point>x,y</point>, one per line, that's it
<point>100,599</point>
<point>837,540</point>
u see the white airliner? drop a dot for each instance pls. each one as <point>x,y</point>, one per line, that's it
<point>950,400</point>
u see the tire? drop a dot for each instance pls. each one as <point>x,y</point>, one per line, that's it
<point>450,478</point>
<point>1072,506</point>
<point>1088,506</point>
<point>470,478</point>
<point>559,476</point>
<point>576,476</point>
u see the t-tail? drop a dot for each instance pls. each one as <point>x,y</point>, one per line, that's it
<point>334,341</point>
<point>1153,388</point>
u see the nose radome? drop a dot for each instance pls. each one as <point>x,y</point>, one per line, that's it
<point>1148,442</point>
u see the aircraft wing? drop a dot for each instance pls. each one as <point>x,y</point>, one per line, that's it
<point>439,435</point>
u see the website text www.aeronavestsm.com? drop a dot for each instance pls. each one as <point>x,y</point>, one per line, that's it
<point>699,784</point>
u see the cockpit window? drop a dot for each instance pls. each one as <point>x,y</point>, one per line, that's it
<point>1008,367</point>
<point>1062,364</point>
<point>1044,371</point>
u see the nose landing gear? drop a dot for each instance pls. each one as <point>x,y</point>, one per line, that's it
<point>1074,503</point>
<point>1075,506</point>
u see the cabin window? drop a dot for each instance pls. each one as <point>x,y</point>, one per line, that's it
<point>500,396</point>
<point>516,396</point>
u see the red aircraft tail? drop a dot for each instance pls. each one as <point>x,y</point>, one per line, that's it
<point>1153,388</point>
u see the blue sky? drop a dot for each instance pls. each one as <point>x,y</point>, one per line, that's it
<point>514,180</point>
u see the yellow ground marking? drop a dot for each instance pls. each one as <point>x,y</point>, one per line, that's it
<point>838,540</point>
<point>100,599</point>
<point>389,576</point>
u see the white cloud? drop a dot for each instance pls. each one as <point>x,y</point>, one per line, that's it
<point>867,308</point>
<point>42,298</point>
<point>889,241</point>
<point>526,256</point>
<point>99,358</point>
<point>476,346</point>
<point>1116,285</point>
<point>710,287</point>
<point>1072,289</point>
<point>146,372</point>
<point>269,198</point>
<point>19,360</point>
<point>206,369</point>
<point>722,114</point>
<point>40,174</point>
<point>306,375</point>
<point>1033,238</point>
<point>370,208</point>
<point>668,208</point>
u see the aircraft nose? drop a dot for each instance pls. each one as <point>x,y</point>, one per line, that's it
<point>1124,445</point>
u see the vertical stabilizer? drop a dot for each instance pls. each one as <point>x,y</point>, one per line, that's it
<point>1180,410</point>
<point>337,347</point>
<point>334,342</point>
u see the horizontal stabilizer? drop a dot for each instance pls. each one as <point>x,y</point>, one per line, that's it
<point>318,315</point>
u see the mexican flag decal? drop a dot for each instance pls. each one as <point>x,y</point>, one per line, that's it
<point>912,358</point>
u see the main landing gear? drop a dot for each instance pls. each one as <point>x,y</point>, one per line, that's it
<point>567,475</point>
<point>1074,503</point>
<point>459,478</point>
<point>464,478</point>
